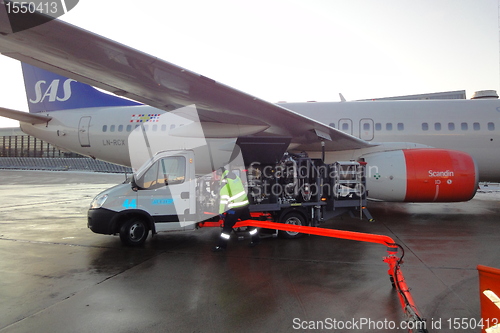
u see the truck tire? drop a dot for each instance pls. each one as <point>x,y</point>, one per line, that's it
<point>134,232</point>
<point>295,219</point>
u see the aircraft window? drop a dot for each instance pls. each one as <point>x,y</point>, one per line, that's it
<point>437,126</point>
<point>112,128</point>
<point>388,127</point>
<point>155,128</point>
<point>146,127</point>
<point>401,127</point>
<point>425,126</point>
<point>163,128</point>
<point>451,126</point>
<point>345,126</point>
<point>476,126</point>
<point>137,125</point>
<point>366,126</point>
<point>129,128</point>
<point>120,128</point>
<point>464,126</point>
<point>378,126</point>
<point>172,126</point>
<point>332,125</point>
<point>491,126</point>
<point>104,128</point>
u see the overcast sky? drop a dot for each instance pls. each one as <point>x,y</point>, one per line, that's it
<point>310,50</point>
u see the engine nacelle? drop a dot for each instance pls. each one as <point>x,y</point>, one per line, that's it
<point>421,175</point>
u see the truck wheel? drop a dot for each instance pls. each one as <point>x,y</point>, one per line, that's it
<point>295,219</point>
<point>134,232</point>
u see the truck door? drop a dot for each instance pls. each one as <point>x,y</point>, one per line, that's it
<point>167,191</point>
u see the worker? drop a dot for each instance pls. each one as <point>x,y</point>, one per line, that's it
<point>234,198</point>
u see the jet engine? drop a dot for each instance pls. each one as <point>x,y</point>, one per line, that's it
<point>421,175</point>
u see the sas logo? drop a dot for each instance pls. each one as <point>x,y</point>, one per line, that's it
<point>51,92</point>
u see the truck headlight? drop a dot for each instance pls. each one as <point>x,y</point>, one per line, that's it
<point>98,201</point>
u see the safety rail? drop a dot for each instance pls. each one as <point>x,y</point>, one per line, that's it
<point>61,164</point>
<point>418,324</point>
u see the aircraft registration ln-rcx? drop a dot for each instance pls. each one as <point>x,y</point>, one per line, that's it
<point>418,151</point>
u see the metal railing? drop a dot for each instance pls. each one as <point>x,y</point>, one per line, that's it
<point>60,164</point>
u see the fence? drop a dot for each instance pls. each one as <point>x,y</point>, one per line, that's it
<point>60,164</point>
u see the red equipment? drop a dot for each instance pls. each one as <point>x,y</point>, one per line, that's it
<point>415,320</point>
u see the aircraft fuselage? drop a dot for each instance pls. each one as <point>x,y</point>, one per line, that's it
<point>471,126</point>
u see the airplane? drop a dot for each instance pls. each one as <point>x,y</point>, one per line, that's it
<point>417,151</point>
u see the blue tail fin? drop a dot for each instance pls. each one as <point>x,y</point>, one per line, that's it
<point>47,91</point>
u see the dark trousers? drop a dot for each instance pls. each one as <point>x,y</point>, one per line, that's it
<point>232,216</point>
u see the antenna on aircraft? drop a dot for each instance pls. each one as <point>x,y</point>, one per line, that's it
<point>342,99</point>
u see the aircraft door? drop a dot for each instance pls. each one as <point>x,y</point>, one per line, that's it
<point>83,131</point>
<point>345,125</point>
<point>366,129</point>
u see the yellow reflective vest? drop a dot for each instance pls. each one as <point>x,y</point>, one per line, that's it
<point>232,193</point>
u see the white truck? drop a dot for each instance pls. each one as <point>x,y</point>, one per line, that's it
<point>165,194</point>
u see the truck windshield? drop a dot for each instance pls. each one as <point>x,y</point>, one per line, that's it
<point>165,171</point>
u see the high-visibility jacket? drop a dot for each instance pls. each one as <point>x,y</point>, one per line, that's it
<point>232,193</point>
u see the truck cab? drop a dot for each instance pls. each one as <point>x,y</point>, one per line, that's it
<point>160,196</point>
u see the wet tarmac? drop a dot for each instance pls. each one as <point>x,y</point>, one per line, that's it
<point>58,276</point>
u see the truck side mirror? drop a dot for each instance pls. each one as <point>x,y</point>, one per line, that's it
<point>133,184</point>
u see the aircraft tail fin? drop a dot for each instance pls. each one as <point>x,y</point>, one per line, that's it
<point>47,91</point>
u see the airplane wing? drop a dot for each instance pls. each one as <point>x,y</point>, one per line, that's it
<point>89,58</point>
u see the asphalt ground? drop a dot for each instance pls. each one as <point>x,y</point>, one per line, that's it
<point>58,276</point>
